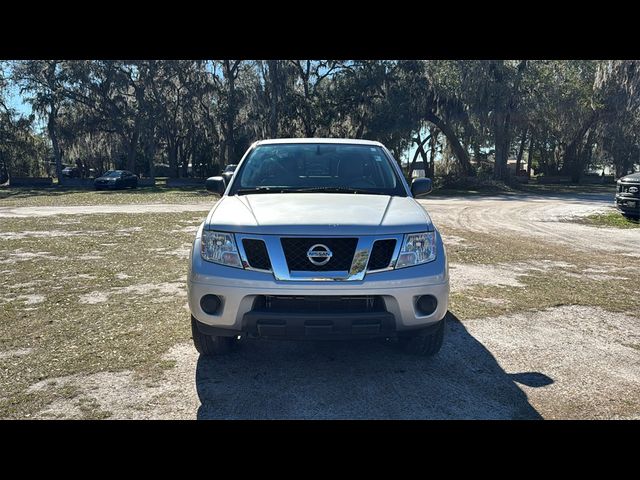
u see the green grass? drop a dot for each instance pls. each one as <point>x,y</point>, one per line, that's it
<point>611,219</point>
<point>58,196</point>
<point>547,290</point>
<point>572,284</point>
<point>130,331</point>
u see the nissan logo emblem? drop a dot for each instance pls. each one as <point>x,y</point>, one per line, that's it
<point>319,254</point>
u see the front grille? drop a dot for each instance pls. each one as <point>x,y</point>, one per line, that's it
<point>381,254</point>
<point>342,249</point>
<point>318,303</point>
<point>624,188</point>
<point>257,255</point>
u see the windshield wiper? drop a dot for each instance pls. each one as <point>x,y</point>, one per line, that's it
<point>245,191</point>
<point>264,189</point>
<point>331,190</point>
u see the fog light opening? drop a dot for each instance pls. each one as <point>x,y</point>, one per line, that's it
<point>210,304</point>
<point>427,304</point>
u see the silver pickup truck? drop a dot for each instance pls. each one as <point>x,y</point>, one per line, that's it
<point>318,239</point>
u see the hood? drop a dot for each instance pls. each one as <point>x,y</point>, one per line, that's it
<point>318,214</point>
<point>634,178</point>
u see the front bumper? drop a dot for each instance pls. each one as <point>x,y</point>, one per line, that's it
<point>238,290</point>
<point>627,204</point>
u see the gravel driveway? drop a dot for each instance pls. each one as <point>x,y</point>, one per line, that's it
<point>568,361</point>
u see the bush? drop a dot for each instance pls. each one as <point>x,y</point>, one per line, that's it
<point>471,183</point>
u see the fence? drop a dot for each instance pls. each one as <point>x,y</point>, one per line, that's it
<point>31,182</point>
<point>185,182</point>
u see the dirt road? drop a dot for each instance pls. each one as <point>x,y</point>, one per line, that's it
<point>534,215</point>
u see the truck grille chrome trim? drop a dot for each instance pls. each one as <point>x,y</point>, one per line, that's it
<point>281,269</point>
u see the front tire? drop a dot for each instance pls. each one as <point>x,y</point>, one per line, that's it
<point>425,343</point>
<point>210,345</point>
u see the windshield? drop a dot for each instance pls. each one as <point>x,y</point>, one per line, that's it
<point>323,167</point>
<point>113,173</point>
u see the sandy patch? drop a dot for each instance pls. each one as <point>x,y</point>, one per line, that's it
<point>93,298</point>
<point>124,396</point>
<point>25,285</point>
<point>32,299</point>
<point>21,256</point>
<point>89,256</point>
<point>18,352</point>
<point>122,276</point>
<point>164,292</point>
<point>463,276</point>
<point>454,240</point>
<point>95,209</point>
<point>129,230</point>
<point>84,276</point>
<point>592,356</point>
<point>47,234</point>
<point>188,229</point>
<point>182,252</point>
<point>165,288</point>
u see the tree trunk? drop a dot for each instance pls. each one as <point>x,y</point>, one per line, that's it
<point>523,141</point>
<point>51,129</point>
<point>133,145</point>
<point>149,152</point>
<point>460,152</point>
<point>543,165</point>
<point>230,117</point>
<point>308,113</point>
<point>530,155</point>
<point>434,133</point>
<point>274,95</point>
<point>173,157</point>
<point>502,141</point>
<point>412,164</point>
<point>360,131</point>
<point>572,162</point>
<point>419,151</point>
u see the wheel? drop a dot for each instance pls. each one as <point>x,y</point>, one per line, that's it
<point>209,344</point>
<point>425,343</point>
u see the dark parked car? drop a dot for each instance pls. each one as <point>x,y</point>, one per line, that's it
<point>71,172</point>
<point>115,179</point>
<point>227,174</point>
<point>628,195</point>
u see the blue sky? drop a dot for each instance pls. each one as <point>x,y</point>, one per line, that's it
<point>16,101</point>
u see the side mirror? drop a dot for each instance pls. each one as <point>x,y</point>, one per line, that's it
<point>421,187</point>
<point>216,185</point>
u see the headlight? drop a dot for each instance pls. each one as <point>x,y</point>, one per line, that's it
<point>417,248</point>
<point>219,247</point>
